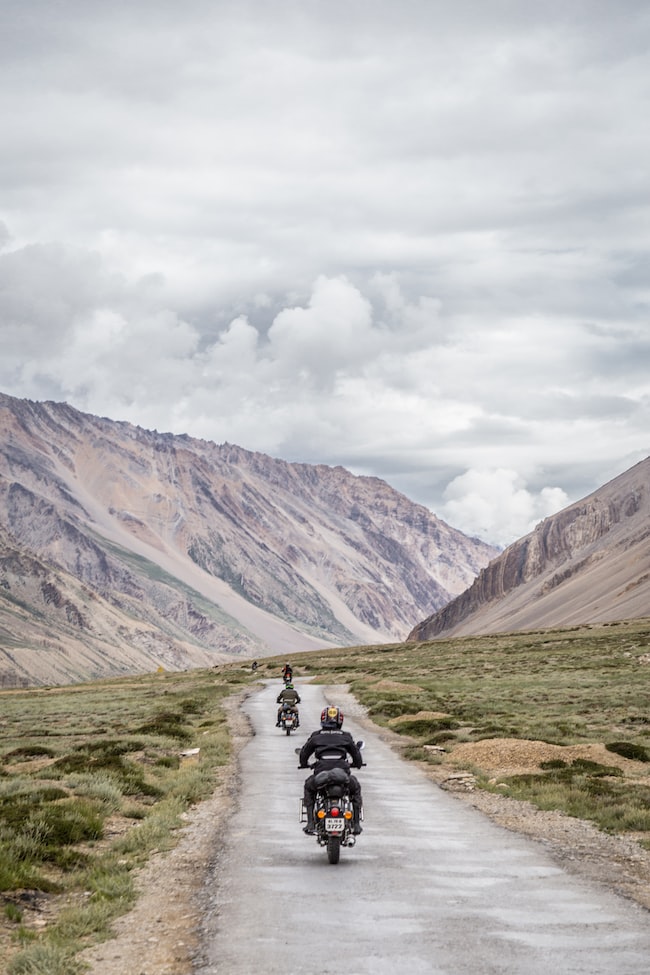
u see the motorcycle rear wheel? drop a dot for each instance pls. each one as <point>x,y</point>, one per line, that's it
<point>333,848</point>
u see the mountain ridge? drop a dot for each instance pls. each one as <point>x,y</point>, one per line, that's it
<point>201,551</point>
<point>589,563</point>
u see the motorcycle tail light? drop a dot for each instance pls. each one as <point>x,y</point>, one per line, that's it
<point>334,811</point>
<point>321,814</point>
<point>347,814</point>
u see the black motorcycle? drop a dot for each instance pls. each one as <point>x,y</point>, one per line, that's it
<point>333,812</point>
<point>289,720</point>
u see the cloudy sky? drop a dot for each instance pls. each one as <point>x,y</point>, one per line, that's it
<point>409,238</point>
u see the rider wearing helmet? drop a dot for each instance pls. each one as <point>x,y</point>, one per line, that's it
<point>331,747</point>
<point>287,698</point>
<point>287,673</point>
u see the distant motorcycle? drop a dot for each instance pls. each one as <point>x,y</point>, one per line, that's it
<point>289,719</point>
<point>333,812</point>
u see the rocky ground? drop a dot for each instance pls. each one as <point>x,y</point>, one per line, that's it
<point>159,937</point>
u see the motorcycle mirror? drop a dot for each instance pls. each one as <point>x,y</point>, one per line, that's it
<point>361,744</point>
<point>297,751</point>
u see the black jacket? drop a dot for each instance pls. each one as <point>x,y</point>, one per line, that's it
<point>330,749</point>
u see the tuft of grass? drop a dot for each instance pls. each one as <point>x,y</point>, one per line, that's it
<point>13,913</point>
<point>44,959</point>
<point>98,787</point>
<point>155,831</point>
<point>111,879</point>
<point>17,867</point>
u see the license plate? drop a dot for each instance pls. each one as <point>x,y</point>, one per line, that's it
<point>334,825</point>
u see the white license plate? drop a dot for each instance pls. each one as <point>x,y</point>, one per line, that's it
<point>334,825</point>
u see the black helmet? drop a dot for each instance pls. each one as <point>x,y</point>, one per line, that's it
<point>331,717</point>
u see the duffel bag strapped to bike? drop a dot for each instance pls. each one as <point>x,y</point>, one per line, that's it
<point>335,780</point>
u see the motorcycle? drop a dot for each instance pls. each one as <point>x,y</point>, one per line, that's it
<point>289,720</point>
<point>333,811</point>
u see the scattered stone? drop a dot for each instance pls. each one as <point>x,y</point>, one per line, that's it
<point>459,782</point>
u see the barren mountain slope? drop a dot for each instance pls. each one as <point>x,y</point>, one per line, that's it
<point>212,546</point>
<point>589,563</point>
<point>76,631</point>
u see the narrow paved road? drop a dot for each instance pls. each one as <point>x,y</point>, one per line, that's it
<point>431,886</point>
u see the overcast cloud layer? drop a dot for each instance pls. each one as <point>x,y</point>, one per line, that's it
<point>409,238</point>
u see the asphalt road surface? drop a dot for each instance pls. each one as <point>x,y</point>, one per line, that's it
<point>431,886</point>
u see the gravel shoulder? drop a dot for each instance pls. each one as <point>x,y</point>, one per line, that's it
<point>160,935</point>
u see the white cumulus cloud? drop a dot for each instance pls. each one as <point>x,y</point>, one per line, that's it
<point>410,239</point>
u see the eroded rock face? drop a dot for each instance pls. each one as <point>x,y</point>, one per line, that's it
<point>589,563</point>
<point>147,547</point>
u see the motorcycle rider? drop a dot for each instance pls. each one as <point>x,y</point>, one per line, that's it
<point>331,746</point>
<point>287,698</point>
<point>287,673</point>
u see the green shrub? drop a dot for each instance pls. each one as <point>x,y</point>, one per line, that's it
<point>29,751</point>
<point>629,750</point>
<point>166,723</point>
<point>112,746</point>
<point>594,769</point>
<point>391,707</point>
<point>415,753</point>
<point>127,774</point>
<point>193,705</point>
<point>497,731</point>
<point>66,823</point>
<point>441,736</point>
<point>26,797</point>
<point>419,727</point>
<point>99,787</point>
<point>168,761</point>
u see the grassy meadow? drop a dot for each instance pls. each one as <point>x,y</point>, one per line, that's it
<point>93,776</point>
<point>92,780</point>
